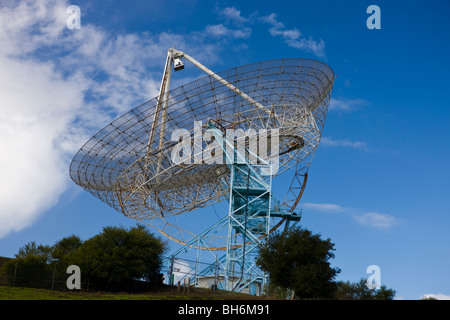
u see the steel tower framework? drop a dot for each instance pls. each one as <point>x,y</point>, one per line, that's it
<point>247,222</point>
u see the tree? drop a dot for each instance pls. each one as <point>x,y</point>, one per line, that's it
<point>360,291</point>
<point>120,259</point>
<point>60,252</point>
<point>298,260</point>
<point>117,258</point>
<point>31,265</point>
<point>428,298</point>
<point>65,246</point>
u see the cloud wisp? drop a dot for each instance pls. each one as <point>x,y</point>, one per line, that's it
<point>330,142</point>
<point>378,220</point>
<point>324,207</point>
<point>293,37</point>
<point>231,14</point>
<point>346,104</point>
<point>219,30</point>
<point>438,296</point>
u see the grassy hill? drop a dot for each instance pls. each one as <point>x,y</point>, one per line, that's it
<point>18,293</point>
<point>8,292</point>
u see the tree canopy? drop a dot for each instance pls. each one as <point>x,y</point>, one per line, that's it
<point>32,259</point>
<point>298,261</point>
<point>115,259</point>
<point>360,291</point>
<point>119,257</point>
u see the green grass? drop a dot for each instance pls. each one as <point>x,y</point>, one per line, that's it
<point>19,293</point>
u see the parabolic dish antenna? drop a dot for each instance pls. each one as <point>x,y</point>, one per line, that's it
<point>221,137</point>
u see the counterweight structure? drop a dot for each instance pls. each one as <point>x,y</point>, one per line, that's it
<point>225,136</point>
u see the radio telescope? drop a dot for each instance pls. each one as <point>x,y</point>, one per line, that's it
<point>222,137</point>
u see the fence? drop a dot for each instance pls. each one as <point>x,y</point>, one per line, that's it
<point>174,272</point>
<point>54,277</point>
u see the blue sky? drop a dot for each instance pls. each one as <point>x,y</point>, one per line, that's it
<point>379,183</point>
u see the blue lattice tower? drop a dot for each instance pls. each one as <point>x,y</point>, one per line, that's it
<point>251,205</point>
<point>248,224</point>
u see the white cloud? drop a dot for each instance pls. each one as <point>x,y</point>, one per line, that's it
<point>232,14</point>
<point>330,142</point>
<point>234,26</point>
<point>58,87</point>
<point>345,104</point>
<point>438,296</point>
<point>327,207</point>
<point>377,220</point>
<point>370,219</point>
<point>37,104</point>
<point>219,30</point>
<point>293,37</point>
<point>37,22</point>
